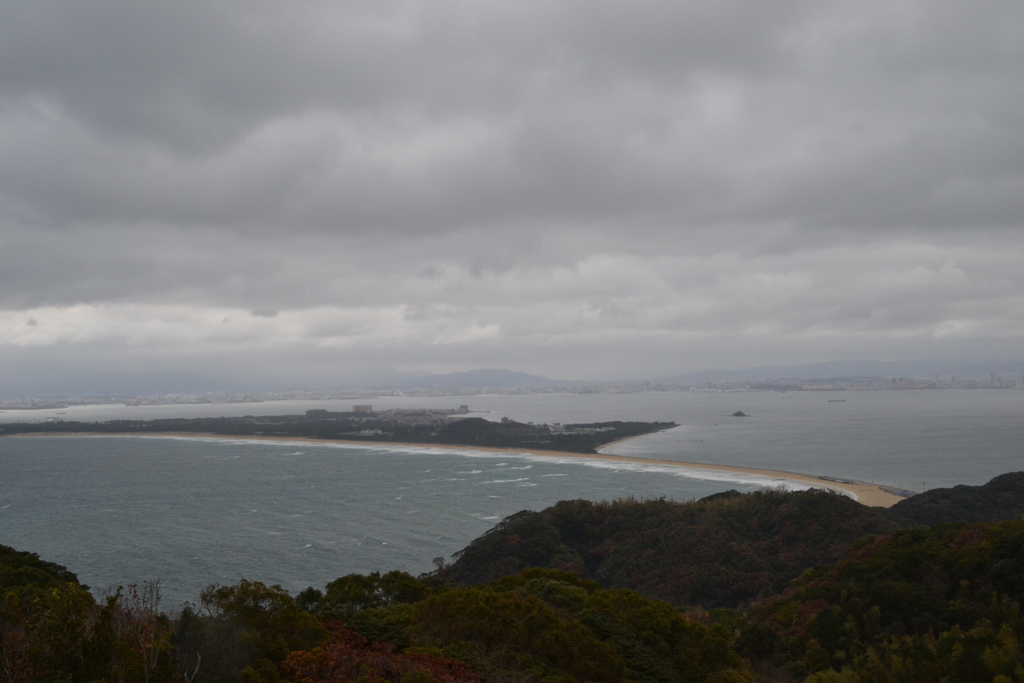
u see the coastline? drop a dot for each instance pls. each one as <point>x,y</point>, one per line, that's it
<point>871,495</point>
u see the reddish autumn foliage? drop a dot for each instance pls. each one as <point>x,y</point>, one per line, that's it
<point>349,656</point>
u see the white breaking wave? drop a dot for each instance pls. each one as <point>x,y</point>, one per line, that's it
<point>780,481</point>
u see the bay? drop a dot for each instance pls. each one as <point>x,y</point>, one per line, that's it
<point>191,512</point>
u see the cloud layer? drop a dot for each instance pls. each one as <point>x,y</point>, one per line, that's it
<point>580,189</point>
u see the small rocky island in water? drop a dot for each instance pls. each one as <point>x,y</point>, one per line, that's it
<point>442,427</point>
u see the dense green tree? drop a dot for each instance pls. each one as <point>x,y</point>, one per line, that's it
<point>1002,498</point>
<point>23,572</point>
<point>921,604</point>
<point>546,624</point>
<point>353,593</point>
<point>248,630</point>
<point>717,552</point>
<point>349,657</point>
<point>54,625</point>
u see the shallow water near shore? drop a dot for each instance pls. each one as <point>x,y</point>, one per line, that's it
<point>191,512</point>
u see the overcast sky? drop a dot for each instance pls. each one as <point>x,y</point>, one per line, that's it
<point>312,193</point>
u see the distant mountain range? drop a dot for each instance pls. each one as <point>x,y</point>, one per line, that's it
<point>127,384</point>
<point>857,368</point>
<point>486,378</point>
<point>493,378</point>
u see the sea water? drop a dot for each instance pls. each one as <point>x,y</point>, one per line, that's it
<point>191,512</point>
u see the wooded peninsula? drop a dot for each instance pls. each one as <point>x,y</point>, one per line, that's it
<point>442,427</point>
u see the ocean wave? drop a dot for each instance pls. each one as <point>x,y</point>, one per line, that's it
<point>760,480</point>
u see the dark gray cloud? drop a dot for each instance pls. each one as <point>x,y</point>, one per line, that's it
<point>593,188</point>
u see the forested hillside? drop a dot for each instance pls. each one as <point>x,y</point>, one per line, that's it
<point>1001,498</point>
<point>23,573</point>
<point>716,552</point>
<point>766,587</point>
<point>540,625</point>
<point>719,551</point>
<point>939,604</point>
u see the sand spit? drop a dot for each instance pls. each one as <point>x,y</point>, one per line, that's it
<point>871,495</point>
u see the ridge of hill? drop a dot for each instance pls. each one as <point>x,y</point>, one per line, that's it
<point>936,604</point>
<point>717,552</point>
<point>24,573</point>
<point>999,499</point>
<point>720,551</point>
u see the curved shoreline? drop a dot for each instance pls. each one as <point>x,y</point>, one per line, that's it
<point>871,495</point>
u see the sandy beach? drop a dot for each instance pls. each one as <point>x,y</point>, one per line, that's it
<point>871,495</point>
